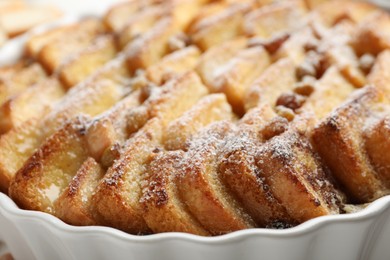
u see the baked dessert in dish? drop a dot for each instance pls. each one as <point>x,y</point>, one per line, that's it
<point>203,117</point>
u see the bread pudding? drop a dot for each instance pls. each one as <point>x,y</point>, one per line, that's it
<point>199,116</point>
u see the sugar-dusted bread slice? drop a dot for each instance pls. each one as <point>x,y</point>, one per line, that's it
<point>329,92</point>
<point>17,146</point>
<point>207,110</point>
<point>109,129</point>
<point>21,18</point>
<point>14,83</point>
<point>162,207</point>
<point>218,56</point>
<point>33,102</point>
<point>201,187</point>
<point>240,173</point>
<point>379,75</point>
<point>278,78</point>
<point>115,202</point>
<point>48,171</point>
<point>338,140</point>
<point>344,58</point>
<point>119,15</point>
<point>37,41</point>
<point>139,23</point>
<point>296,177</point>
<point>294,47</point>
<point>333,11</point>
<point>73,204</point>
<point>236,76</point>
<point>102,91</point>
<point>221,27</point>
<point>275,19</point>
<point>79,66</point>
<point>169,101</point>
<point>377,143</point>
<point>180,61</point>
<point>56,51</point>
<point>151,46</point>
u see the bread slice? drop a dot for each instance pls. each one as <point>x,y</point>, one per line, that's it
<point>24,17</point>
<point>73,204</point>
<point>376,141</point>
<point>235,77</point>
<point>118,16</point>
<point>275,19</point>
<point>201,188</point>
<point>25,105</point>
<point>149,48</point>
<point>110,128</point>
<point>115,202</point>
<point>49,170</point>
<point>207,110</point>
<point>96,95</point>
<point>294,47</point>
<point>240,173</point>
<point>207,10</point>
<point>37,41</point>
<point>15,83</point>
<point>17,145</point>
<point>216,57</point>
<point>346,61</point>
<point>296,178</point>
<point>278,78</point>
<point>56,51</point>
<point>379,75</point>
<point>162,208</point>
<point>330,91</point>
<point>338,140</point>
<point>169,101</point>
<point>219,28</point>
<point>172,64</point>
<point>79,66</point>
<point>331,12</point>
<point>139,23</point>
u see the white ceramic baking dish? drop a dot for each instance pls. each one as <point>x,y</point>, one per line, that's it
<point>36,235</point>
<point>363,235</point>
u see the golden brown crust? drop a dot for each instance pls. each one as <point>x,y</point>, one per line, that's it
<point>221,27</point>
<point>162,208</point>
<point>376,140</point>
<point>202,189</point>
<point>338,139</point>
<point>24,106</point>
<point>296,178</point>
<point>116,199</point>
<point>15,83</point>
<point>48,171</point>
<point>207,110</point>
<point>276,79</point>
<point>80,65</point>
<point>275,19</point>
<point>56,51</point>
<point>73,204</point>
<point>169,101</point>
